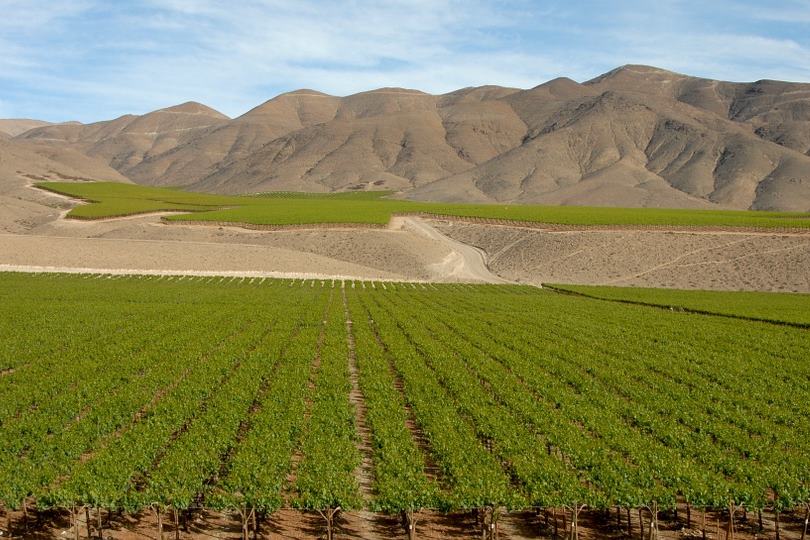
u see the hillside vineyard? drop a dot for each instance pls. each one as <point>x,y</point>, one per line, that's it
<point>251,395</point>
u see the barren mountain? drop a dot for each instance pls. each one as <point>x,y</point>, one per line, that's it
<point>131,140</point>
<point>24,162</point>
<point>778,111</point>
<point>15,126</point>
<point>635,136</point>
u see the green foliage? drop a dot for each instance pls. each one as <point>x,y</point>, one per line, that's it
<point>325,477</point>
<point>128,392</point>
<point>111,199</point>
<point>256,475</point>
<point>780,307</point>
<point>400,481</point>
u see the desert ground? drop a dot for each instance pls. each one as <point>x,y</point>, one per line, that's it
<point>35,236</point>
<point>677,259</point>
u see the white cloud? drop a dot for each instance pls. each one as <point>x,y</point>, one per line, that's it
<point>795,12</point>
<point>26,16</point>
<point>234,56</point>
<point>96,59</point>
<point>740,57</point>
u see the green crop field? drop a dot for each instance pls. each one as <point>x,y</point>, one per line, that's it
<point>790,308</point>
<point>375,208</point>
<point>126,393</point>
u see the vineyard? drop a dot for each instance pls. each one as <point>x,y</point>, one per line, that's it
<point>788,308</point>
<point>108,199</point>
<point>166,396</point>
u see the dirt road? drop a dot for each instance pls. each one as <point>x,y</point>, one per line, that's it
<point>463,263</point>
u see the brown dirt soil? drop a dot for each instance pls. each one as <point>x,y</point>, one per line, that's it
<point>33,233</point>
<point>296,524</point>
<point>684,260</point>
<point>365,471</point>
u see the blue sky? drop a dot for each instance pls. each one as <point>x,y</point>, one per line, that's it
<point>91,60</point>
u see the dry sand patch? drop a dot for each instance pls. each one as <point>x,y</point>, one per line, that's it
<point>686,260</point>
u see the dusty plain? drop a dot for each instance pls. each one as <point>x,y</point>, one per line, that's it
<point>678,259</point>
<point>35,236</point>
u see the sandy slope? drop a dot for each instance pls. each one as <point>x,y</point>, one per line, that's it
<point>16,126</point>
<point>688,260</point>
<point>55,253</point>
<point>464,262</point>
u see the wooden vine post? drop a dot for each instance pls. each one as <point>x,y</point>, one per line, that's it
<point>556,525</point>
<point>489,523</point>
<point>159,519</point>
<point>732,508</point>
<point>575,510</point>
<point>100,524</point>
<point>409,520</point>
<point>329,516</point>
<point>776,520</point>
<point>565,520</point>
<point>74,521</point>
<point>248,518</point>
<point>654,521</point>
<point>641,523</point>
<point>25,516</point>
<point>176,523</point>
<point>806,519</point>
<point>629,523</point>
<point>255,522</point>
<point>87,522</point>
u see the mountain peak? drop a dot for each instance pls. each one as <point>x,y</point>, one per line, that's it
<point>303,92</point>
<point>393,90</point>
<point>193,107</point>
<point>634,71</point>
<point>559,85</point>
<point>637,135</point>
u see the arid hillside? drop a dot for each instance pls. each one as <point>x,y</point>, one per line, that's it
<point>14,126</point>
<point>23,163</point>
<point>635,136</point>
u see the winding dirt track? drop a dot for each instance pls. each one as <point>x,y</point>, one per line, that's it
<point>463,263</point>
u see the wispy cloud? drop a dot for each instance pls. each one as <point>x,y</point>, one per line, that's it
<point>787,11</point>
<point>92,59</point>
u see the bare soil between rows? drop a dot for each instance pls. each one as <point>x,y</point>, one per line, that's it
<point>295,524</point>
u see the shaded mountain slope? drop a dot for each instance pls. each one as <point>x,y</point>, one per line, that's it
<point>635,136</point>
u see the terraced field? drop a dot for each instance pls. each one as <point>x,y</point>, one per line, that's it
<point>252,396</point>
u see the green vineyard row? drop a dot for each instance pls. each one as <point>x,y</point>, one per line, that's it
<point>142,392</point>
<point>111,199</point>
